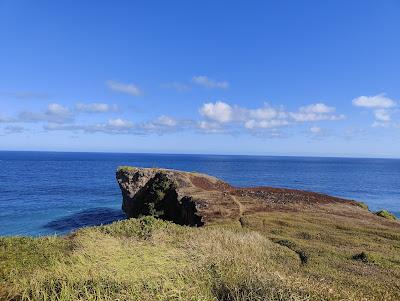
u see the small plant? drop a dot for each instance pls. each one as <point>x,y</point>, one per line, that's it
<point>243,221</point>
<point>386,214</point>
<point>303,256</point>
<point>287,243</point>
<point>362,205</point>
<point>364,257</point>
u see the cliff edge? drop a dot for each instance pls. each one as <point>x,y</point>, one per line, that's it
<point>195,199</point>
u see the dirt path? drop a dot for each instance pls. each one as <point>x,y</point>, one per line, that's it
<point>241,209</point>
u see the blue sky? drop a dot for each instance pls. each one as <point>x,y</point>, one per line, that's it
<point>224,77</point>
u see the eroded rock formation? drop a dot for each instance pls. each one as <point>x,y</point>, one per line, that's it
<point>195,199</point>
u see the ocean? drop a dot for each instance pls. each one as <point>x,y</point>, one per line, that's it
<point>44,193</point>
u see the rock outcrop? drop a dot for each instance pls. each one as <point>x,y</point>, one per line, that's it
<point>194,199</point>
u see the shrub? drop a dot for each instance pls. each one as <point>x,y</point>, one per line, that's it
<point>287,243</point>
<point>141,228</point>
<point>386,214</point>
<point>364,257</point>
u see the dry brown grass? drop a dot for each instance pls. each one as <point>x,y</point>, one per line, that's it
<point>148,259</point>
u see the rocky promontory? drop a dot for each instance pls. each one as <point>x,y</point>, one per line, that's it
<point>194,199</point>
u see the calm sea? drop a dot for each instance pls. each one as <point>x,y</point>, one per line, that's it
<point>48,192</point>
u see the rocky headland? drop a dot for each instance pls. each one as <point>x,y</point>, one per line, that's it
<point>194,199</point>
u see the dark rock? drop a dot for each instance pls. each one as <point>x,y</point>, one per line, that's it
<point>158,193</point>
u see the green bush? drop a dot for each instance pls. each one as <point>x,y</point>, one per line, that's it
<point>141,228</point>
<point>386,214</point>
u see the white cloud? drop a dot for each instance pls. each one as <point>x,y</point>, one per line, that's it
<point>266,117</point>
<point>311,117</point>
<point>382,115</point>
<point>380,124</point>
<point>210,127</point>
<point>127,88</point>
<point>166,120</point>
<point>207,82</point>
<point>118,126</point>
<point>219,111</point>
<point>54,113</point>
<point>57,110</point>
<point>163,124</point>
<point>222,116</point>
<point>316,112</point>
<point>377,101</point>
<point>382,106</point>
<point>318,133</point>
<point>95,107</point>
<point>112,126</point>
<point>318,108</point>
<point>264,113</point>
<point>265,124</point>
<point>120,123</point>
<point>218,117</point>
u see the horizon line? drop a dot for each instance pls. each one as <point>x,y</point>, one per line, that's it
<point>205,154</point>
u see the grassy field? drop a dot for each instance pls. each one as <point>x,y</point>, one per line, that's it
<point>267,256</point>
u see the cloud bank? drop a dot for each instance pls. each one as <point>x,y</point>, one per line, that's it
<point>127,88</point>
<point>266,117</point>
<point>96,107</point>
<point>382,107</point>
<point>219,117</point>
<point>209,83</point>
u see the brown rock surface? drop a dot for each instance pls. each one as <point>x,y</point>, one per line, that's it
<point>195,199</point>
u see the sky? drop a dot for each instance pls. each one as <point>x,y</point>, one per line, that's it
<point>306,78</point>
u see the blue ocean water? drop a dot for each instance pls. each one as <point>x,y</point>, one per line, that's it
<point>53,193</point>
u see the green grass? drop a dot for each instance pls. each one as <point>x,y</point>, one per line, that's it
<point>150,259</point>
<point>362,205</point>
<point>386,214</point>
<point>125,168</point>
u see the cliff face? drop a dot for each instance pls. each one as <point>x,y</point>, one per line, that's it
<point>159,193</point>
<point>195,199</point>
<point>182,197</point>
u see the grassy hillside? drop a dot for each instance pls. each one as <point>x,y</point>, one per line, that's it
<point>267,256</point>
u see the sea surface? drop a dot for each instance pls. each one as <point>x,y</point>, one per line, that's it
<point>55,193</point>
